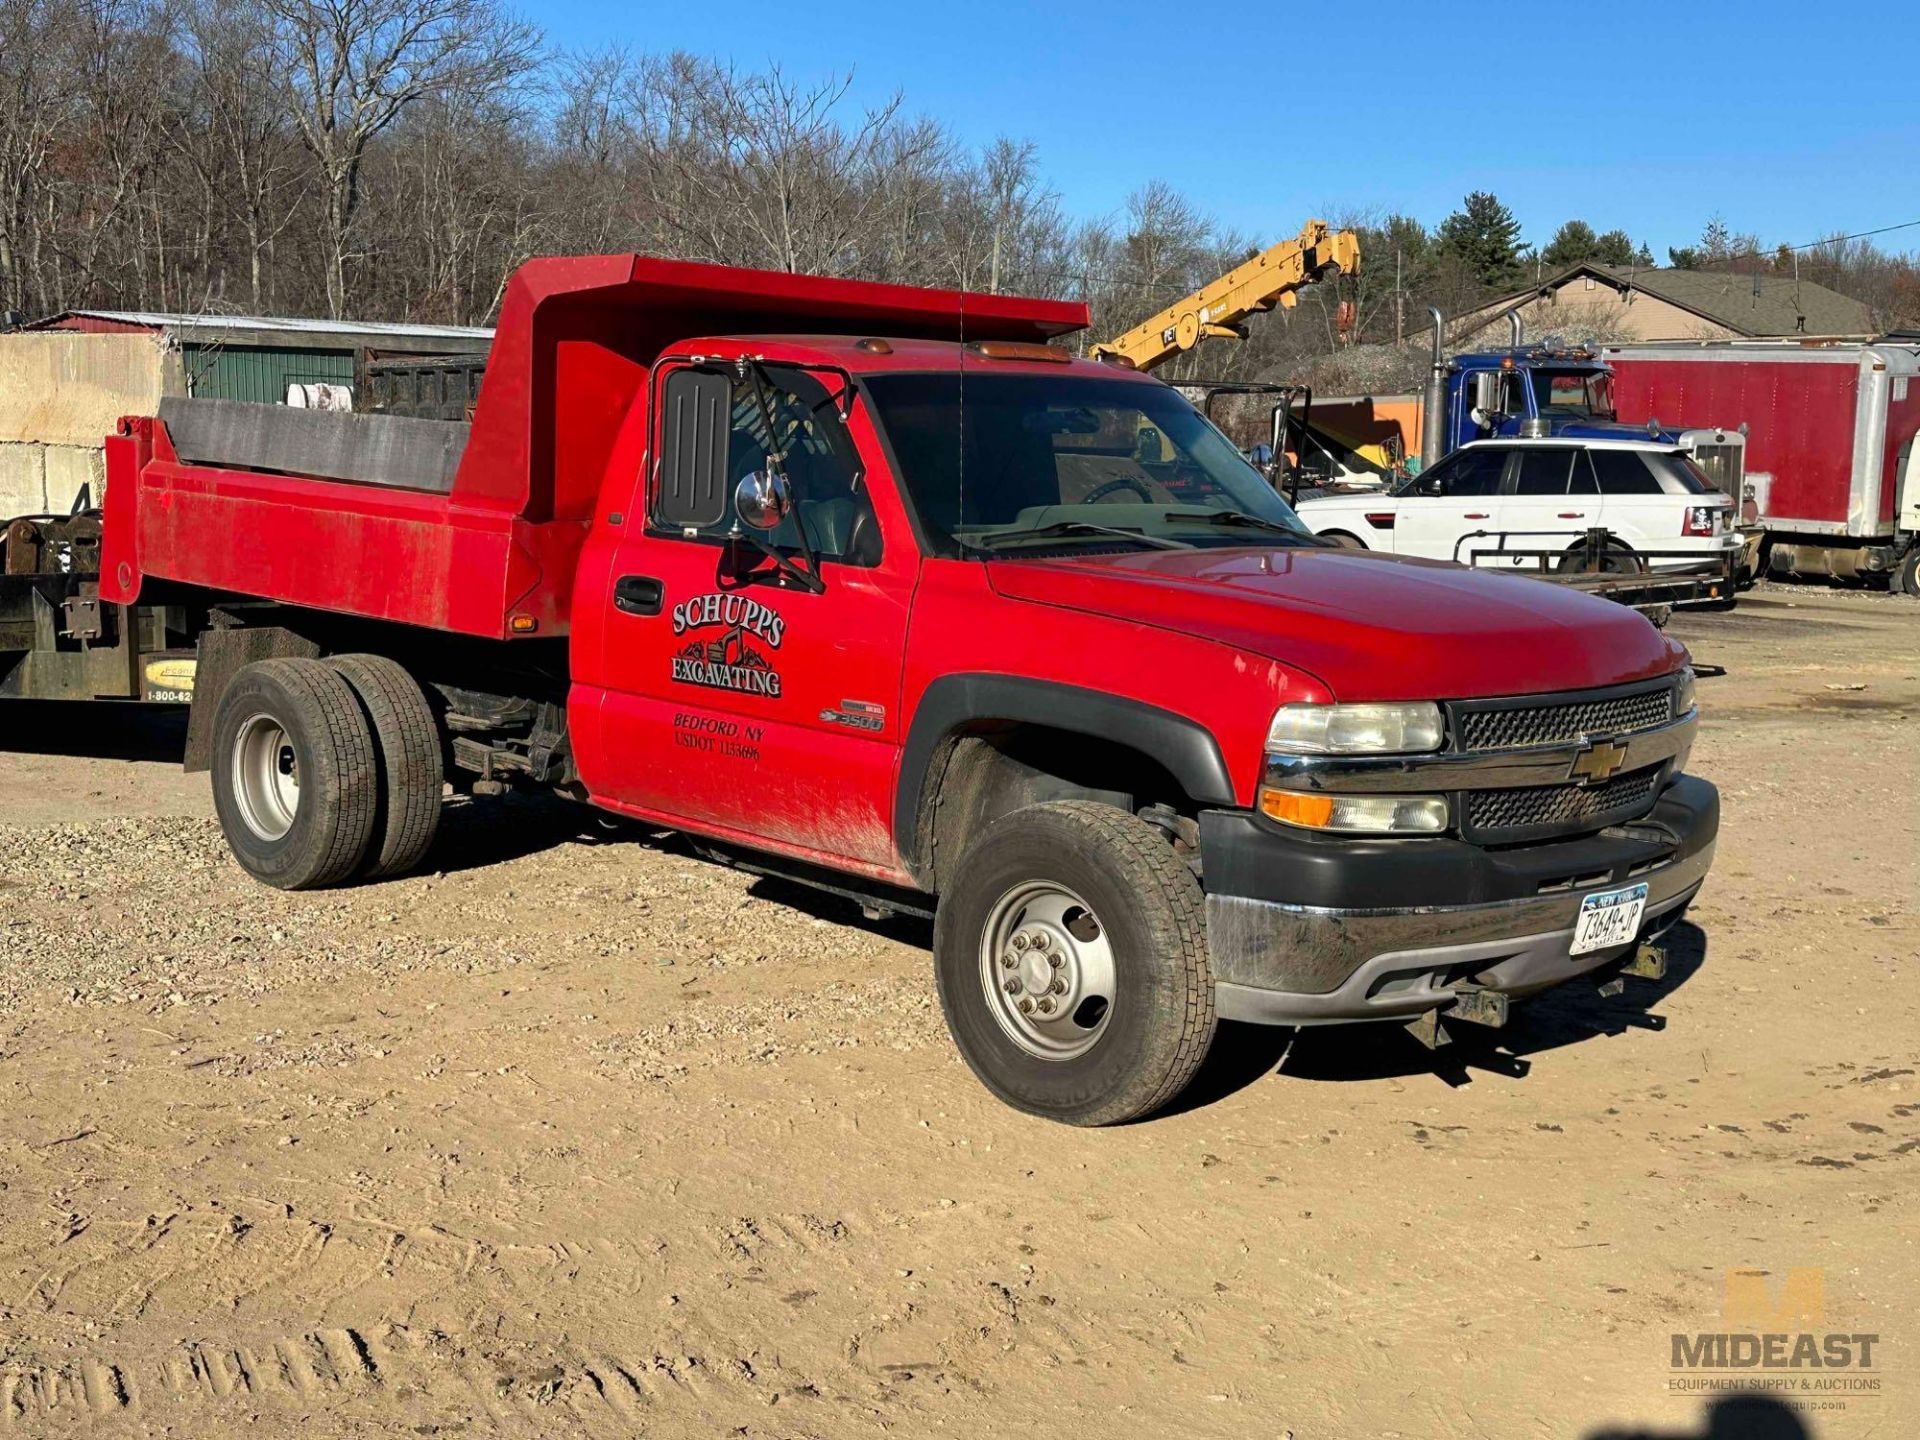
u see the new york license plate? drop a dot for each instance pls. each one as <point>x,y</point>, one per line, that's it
<point>1609,918</point>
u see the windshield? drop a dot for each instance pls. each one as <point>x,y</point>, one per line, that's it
<point>1068,460</point>
<point>1584,394</point>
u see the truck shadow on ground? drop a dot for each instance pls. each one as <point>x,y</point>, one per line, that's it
<point>476,833</point>
<point>1729,1417</point>
<point>100,730</point>
<point>1242,1055</point>
<point>1567,1015</point>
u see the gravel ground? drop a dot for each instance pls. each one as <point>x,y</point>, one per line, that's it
<point>577,1133</point>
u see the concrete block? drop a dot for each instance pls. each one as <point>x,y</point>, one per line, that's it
<point>69,470</point>
<point>23,480</point>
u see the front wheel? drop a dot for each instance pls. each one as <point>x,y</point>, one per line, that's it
<point>1070,956</point>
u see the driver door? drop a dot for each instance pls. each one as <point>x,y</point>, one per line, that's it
<point>1432,525</point>
<point>740,703</point>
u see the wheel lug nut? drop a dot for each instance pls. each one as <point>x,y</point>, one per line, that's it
<point>1042,940</point>
<point>1020,941</point>
<point>1009,961</point>
<point>1026,1007</point>
<point>1046,1005</point>
<point>1058,987</point>
<point>1056,961</point>
<point>1013,987</point>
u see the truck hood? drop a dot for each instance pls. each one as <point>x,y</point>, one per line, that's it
<point>1614,430</point>
<point>1368,626</point>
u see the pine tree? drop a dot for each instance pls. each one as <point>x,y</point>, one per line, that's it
<point>1571,243</point>
<point>1614,248</point>
<point>1485,238</point>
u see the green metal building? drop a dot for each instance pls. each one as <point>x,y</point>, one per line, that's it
<point>258,358</point>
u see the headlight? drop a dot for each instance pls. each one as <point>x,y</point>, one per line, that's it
<point>1357,814</point>
<point>1683,695</point>
<point>1377,729</point>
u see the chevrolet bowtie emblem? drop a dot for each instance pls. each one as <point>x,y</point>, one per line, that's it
<point>1598,762</point>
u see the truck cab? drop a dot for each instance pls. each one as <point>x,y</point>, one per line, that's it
<point>1567,391</point>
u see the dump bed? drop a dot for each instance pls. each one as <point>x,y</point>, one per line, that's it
<point>476,529</point>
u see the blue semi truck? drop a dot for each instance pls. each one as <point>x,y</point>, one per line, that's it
<point>1524,391</point>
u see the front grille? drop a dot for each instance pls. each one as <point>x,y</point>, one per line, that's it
<point>1503,814</point>
<point>1554,724</point>
<point>1722,466</point>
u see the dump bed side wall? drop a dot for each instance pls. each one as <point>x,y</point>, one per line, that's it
<point>383,554</point>
<point>1801,413</point>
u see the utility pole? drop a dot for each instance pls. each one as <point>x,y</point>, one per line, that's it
<point>1399,303</point>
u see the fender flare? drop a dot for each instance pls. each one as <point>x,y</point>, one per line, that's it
<point>1184,746</point>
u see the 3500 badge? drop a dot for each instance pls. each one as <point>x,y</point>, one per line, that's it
<point>737,657</point>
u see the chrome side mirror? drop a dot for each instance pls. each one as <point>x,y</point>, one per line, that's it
<point>763,499</point>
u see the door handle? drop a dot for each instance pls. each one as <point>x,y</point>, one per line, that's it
<point>1573,514</point>
<point>638,594</point>
<point>1477,515</point>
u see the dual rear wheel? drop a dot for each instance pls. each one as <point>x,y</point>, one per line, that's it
<point>1069,948</point>
<point>326,770</point>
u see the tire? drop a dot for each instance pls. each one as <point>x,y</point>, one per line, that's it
<point>1343,539</point>
<point>1906,577</point>
<point>1140,906</point>
<point>407,740</point>
<point>295,775</point>
<point>1617,560</point>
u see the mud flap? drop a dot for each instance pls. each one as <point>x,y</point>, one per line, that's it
<point>222,653</point>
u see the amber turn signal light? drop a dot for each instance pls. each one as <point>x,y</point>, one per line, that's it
<point>1292,808</point>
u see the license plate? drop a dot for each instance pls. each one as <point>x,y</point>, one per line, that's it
<point>1609,918</point>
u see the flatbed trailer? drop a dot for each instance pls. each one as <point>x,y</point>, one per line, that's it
<point>878,589</point>
<point>1653,583</point>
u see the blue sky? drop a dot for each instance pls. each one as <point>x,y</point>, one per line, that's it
<point>1646,117</point>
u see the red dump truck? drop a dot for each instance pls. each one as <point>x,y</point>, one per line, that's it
<point>1833,468</point>
<point>876,588</point>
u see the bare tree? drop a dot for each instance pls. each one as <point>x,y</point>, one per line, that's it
<point>234,134</point>
<point>355,66</point>
<point>33,111</point>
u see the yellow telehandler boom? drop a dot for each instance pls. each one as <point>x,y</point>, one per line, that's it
<point>1219,309</point>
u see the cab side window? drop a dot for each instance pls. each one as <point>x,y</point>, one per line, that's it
<point>795,417</point>
<point>1623,472</point>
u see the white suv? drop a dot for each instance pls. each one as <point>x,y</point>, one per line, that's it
<point>1537,495</point>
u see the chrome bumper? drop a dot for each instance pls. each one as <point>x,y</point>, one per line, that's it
<point>1321,966</point>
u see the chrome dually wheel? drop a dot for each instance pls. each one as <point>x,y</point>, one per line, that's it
<point>1047,966</point>
<point>266,777</point>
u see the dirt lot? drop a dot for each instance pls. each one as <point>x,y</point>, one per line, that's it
<point>583,1135</point>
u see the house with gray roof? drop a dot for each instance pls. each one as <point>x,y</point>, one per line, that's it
<point>1595,302</point>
